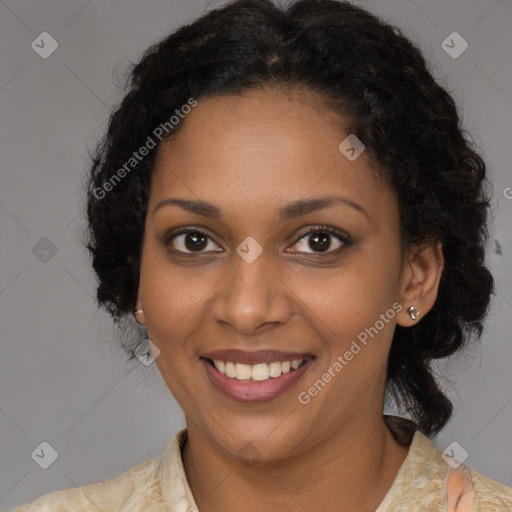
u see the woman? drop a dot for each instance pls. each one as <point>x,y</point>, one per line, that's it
<point>286,202</point>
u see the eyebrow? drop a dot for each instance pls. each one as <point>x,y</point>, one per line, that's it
<point>289,211</point>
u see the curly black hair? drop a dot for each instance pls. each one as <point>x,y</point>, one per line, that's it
<point>377,79</point>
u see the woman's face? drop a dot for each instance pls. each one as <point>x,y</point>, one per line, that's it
<point>256,280</point>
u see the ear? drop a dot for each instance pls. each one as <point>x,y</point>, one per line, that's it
<point>140,319</point>
<point>421,274</point>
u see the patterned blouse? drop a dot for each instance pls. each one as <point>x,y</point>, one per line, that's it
<point>428,480</point>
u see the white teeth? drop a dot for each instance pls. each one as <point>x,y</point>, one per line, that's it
<point>231,370</point>
<point>275,369</point>
<point>243,371</point>
<point>258,372</point>
<point>220,365</point>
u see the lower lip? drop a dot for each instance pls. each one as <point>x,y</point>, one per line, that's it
<point>251,391</point>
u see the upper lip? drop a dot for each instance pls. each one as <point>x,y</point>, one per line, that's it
<point>256,357</point>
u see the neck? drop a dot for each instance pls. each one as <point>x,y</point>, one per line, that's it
<point>351,469</point>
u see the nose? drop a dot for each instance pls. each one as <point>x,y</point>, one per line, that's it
<point>252,297</point>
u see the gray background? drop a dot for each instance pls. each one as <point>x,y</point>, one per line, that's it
<point>63,381</point>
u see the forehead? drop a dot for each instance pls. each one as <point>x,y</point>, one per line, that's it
<point>266,147</point>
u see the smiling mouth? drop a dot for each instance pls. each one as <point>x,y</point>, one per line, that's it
<point>256,372</point>
<point>265,382</point>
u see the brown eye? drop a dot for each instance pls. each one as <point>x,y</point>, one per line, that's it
<point>192,241</point>
<point>321,240</point>
<point>195,241</point>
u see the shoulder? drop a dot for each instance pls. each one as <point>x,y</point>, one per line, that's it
<point>131,489</point>
<point>431,480</point>
<point>490,494</point>
<point>460,487</point>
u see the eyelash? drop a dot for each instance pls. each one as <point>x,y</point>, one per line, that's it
<point>343,238</point>
<point>339,235</point>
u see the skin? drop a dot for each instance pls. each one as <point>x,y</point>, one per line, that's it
<point>250,155</point>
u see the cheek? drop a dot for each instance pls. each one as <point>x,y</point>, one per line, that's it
<point>171,295</point>
<point>353,309</point>
<point>356,322</point>
<point>355,294</point>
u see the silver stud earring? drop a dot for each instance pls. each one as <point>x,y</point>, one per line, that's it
<point>413,312</point>
<point>138,312</point>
